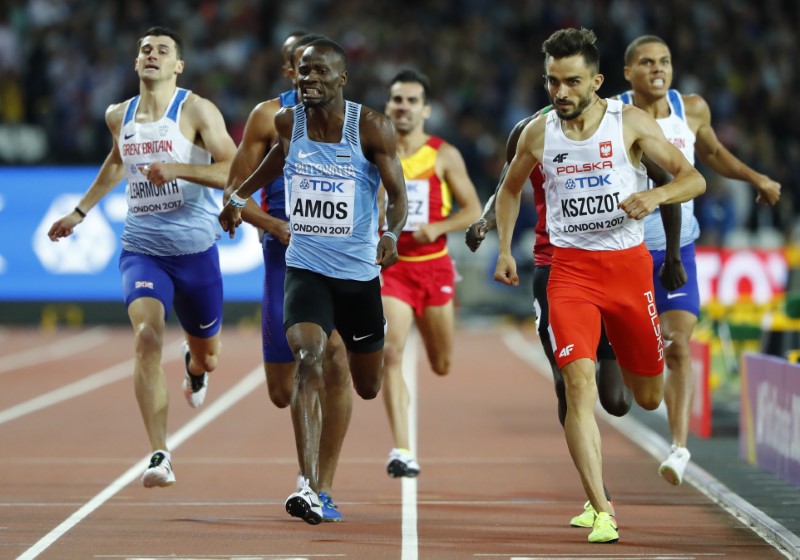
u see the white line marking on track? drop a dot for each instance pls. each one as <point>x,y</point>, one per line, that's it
<point>85,385</point>
<point>410,546</point>
<point>222,557</point>
<point>249,383</point>
<point>629,556</point>
<point>52,352</point>
<point>225,557</point>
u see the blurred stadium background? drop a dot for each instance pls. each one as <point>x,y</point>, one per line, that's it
<point>62,62</point>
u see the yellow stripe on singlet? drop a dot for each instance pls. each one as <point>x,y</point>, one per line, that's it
<point>419,258</point>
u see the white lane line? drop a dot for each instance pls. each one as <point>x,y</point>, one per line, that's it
<point>76,389</point>
<point>584,556</point>
<point>249,383</point>
<point>775,534</point>
<point>55,351</point>
<point>410,546</point>
<point>223,556</point>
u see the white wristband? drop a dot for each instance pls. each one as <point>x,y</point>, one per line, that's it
<point>237,201</point>
<point>391,235</point>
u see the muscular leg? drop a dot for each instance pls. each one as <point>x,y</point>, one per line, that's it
<point>647,391</point>
<point>399,317</point>
<point>541,277</point>
<point>615,397</point>
<point>679,384</point>
<point>307,341</point>
<point>337,406</point>
<point>582,433</point>
<point>203,353</point>
<point>436,327</point>
<point>280,382</point>
<point>147,318</point>
<point>367,373</point>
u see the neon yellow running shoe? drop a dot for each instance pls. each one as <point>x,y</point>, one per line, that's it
<point>604,529</point>
<point>586,519</point>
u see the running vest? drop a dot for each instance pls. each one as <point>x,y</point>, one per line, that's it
<point>273,198</point>
<point>331,191</point>
<point>542,248</point>
<point>585,180</point>
<point>677,131</point>
<point>429,201</point>
<point>178,218</point>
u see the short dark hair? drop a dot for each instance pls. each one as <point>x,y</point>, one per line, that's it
<point>161,31</point>
<point>306,39</point>
<point>571,42</point>
<point>638,42</point>
<point>329,44</point>
<point>416,77</point>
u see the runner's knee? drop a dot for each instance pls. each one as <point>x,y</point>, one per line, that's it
<point>649,399</point>
<point>392,355</point>
<point>440,365</point>
<point>147,340</point>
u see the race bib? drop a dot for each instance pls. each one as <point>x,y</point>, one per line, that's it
<point>322,206</point>
<point>590,203</point>
<point>417,192</point>
<point>144,197</point>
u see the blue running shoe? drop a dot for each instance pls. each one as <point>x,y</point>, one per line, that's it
<point>329,511</point>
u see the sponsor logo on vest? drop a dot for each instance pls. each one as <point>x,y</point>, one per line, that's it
<point>584,167</point>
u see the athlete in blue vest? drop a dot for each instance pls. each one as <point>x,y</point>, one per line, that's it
<point>165,139</point>
<point>279,363</point>
<point>686,122</point>
<point>333,154</point>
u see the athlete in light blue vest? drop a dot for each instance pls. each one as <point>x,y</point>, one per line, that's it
<point>333,155</point>
<point>279,363</point>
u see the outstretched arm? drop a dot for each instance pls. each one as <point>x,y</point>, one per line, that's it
<point>477,231</point>
<point>714,154</point>
<point>259,136</point>
<point>507,201</point>
<point>380,145</point>
<point>270,167</point>
<point>672,274</point>
<point>648,138</point>
<point>451,167</point>
<point>111,173</point>
<point>200,118</point>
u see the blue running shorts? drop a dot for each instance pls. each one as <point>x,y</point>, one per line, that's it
<point>192,283</point>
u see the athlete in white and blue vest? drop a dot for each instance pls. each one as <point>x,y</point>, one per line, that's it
<point>686,122</point>
<point>333,155</point>
<point>165,140</point>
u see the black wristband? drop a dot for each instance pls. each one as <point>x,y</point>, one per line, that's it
<point>80,212</point>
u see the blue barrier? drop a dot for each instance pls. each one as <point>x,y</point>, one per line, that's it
<point>84,266</point>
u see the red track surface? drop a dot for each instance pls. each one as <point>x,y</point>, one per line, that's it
<point>497,480</point>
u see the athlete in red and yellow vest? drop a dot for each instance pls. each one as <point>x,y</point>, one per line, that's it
<point>425,275</point>
<point>420,287</point>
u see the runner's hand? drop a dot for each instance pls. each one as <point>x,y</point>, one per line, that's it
<point>506,270</point>
<point>476,233</point>
<point>230,218</point>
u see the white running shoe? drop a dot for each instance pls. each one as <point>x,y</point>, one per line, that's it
<point>159,472</point>
<point>305,504</point>
<point>194,386</point>
<point>673,466</point>
<point>401,463</point>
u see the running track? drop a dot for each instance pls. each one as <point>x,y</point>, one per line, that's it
<point>497,481</point>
